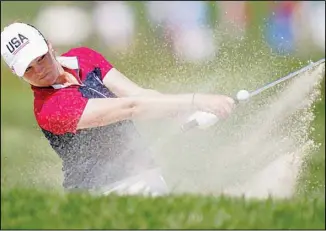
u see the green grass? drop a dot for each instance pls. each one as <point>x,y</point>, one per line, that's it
<point>80,211</point>
<point>31,175</point>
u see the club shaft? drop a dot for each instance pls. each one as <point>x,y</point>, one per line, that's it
<point>291,75</point>
<point>195,122</point>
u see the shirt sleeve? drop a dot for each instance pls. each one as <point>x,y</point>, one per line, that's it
<point>100,61</point>
<point>61,112</point>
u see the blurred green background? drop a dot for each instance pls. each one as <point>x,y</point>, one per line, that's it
<point>26,158</point>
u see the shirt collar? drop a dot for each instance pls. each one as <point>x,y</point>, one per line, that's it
<point>68,62</point>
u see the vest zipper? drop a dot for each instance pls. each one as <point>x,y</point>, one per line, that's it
<point>99,93</point>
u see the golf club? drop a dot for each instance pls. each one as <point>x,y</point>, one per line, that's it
<point>204,120</point>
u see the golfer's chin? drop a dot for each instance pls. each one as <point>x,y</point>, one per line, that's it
<point>48,80</point>
<point>41,83</point>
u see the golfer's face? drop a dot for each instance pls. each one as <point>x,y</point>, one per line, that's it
<point>42,71</point>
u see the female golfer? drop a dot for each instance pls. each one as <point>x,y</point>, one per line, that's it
<point>85,108</point>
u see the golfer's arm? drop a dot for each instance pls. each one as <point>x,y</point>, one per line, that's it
<point>121,86</point>
<point>100,112</point>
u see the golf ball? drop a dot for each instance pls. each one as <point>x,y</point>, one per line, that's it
<point>243,95</point>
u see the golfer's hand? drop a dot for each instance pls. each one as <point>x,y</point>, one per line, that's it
<point>220,105</point>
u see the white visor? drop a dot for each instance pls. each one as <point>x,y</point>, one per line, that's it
<point>20,45</point>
